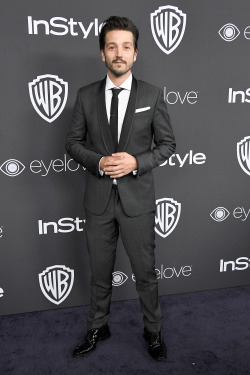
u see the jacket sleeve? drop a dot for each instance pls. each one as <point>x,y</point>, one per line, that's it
<point>76,140</point>
<point>164,140</point>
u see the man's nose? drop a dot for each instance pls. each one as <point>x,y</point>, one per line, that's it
<point>119,52</point>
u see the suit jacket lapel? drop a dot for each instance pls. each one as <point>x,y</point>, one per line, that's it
<point>103,120</point>
<point>129,117</point>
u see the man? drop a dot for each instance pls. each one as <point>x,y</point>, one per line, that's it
<point>113,126</point>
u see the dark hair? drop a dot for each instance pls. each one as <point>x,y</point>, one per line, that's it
<point>118,23</point>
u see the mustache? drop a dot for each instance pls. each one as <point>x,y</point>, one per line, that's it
<point>119,60</point>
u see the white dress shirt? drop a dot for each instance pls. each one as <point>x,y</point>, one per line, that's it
<point>122,102</point>
<point>123,99</point>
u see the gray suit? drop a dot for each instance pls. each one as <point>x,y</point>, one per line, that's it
<point>130,208</point>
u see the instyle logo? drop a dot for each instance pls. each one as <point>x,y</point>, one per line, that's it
<point>119,278</point>
<point>221,213</point>
<point>168,25</point>
<point>48,95</point>
<point>64,225</point>
<point>238,96</point>
<point>167,216</point>
<point>13,167</point>
<point>243,154</point>
<point>1,292</point>
<point>175,97</point>
<point>188,159</point>
<point>60,26</point>
<point>56,283</point>
<point>230,32</point>
<point>240,264</point>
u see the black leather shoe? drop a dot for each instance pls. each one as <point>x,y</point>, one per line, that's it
<point>156,348</point>
<point>90,340</point>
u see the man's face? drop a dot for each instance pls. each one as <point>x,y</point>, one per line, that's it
<point>119,52</point>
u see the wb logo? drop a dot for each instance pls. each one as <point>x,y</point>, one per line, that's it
<point>167,216</point>
<point>168,25</point>
<point>243,154</point>
<point>48,94</point>
<point>56,283</point>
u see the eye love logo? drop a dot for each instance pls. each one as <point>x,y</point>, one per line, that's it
<point>12,167</point>
<point>119,278</point>
<point>221,213</point>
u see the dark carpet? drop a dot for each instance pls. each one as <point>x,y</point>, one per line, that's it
<point>205,332</point>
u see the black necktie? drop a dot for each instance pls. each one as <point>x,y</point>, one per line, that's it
<point>114,116</point>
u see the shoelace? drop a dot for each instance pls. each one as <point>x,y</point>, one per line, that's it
<point>92,335</point>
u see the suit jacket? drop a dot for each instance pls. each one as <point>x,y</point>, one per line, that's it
<point>146,134</point>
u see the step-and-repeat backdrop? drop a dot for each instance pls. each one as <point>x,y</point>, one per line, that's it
<point>198,52</point>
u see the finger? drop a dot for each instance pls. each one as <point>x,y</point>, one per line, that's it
<point>118,171</point>
<point>117,175</point>
<point>112,170</point>
<point>114,162</point>
<point>110,159</point>
<point>118,155</point>
<point>109,168</point>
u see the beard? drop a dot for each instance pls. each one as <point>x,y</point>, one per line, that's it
<point>116,72</point>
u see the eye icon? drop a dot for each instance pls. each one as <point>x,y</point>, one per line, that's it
<point>219,214</point>
<point>119,278</point>
<point>229,32</point>
<point>12,167</point>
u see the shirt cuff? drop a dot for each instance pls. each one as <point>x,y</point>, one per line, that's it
<point>134,172</point>
<point>101,173</point>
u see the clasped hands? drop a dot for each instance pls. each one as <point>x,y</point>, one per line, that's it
<point>118,164</point>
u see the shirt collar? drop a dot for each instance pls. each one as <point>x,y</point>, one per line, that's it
<point>125,85</point>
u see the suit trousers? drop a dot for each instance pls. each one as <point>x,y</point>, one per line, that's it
<point>137,234</point>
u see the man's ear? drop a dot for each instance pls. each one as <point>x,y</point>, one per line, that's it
<point>135,55</point>
<point>103,56</point>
